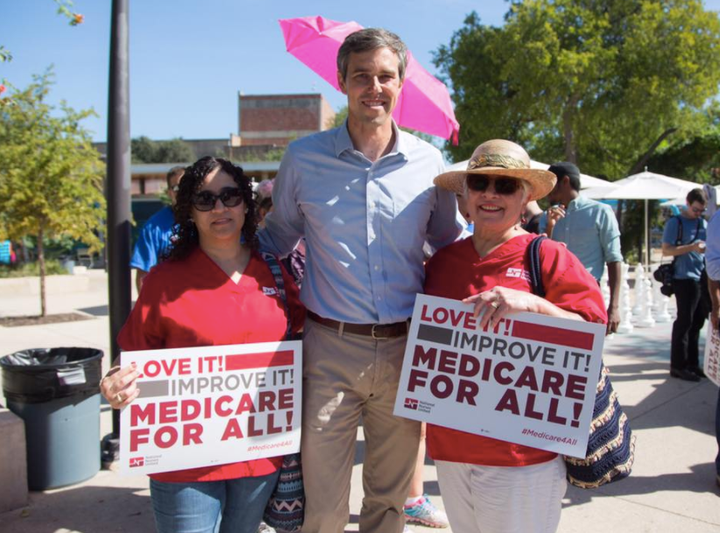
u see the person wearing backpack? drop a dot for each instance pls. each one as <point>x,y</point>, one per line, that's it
<point>684,240</point>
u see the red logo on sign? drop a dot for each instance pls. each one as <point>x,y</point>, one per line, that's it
<point>137,461</point>
<point>411,403</point>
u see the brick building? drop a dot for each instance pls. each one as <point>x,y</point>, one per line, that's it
<point>277,119</point>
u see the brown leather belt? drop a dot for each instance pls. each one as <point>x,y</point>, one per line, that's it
<point>376,331</point>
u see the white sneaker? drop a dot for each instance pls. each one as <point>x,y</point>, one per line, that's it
<point>425,514</point>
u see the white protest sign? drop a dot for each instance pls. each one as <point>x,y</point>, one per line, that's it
<point>211,406</point>
<point>711,366</point>
<point>529,381</point>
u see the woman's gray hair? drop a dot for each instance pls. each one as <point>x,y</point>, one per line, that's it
<point>369,39</point>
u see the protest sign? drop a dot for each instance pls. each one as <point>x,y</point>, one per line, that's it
<point>531,380</point>
<point>711,366</point>
<point>212,405</point>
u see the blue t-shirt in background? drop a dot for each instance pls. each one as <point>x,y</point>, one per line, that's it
<point>689,265</point>
<point>154,240</point>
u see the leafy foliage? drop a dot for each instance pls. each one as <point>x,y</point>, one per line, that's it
<point>145,150</point>
<point>51,177</point>
<point>603,84</point>
<point>340,117</point>
<point>52,267</point>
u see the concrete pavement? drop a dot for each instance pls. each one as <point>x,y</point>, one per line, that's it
<point>672,487</point>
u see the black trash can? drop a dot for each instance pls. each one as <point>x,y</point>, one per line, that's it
<point>55,391</point>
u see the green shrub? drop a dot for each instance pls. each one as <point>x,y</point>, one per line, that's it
<point>52,267</point>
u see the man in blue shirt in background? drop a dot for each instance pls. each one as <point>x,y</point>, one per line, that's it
<point>154,238</point>
<point>362,195</point>
<point>590,231</point>
<point>684,239</point>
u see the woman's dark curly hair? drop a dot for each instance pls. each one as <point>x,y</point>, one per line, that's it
<point>185,234</point>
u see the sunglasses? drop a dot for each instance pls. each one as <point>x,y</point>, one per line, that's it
<point>205,200</point>
<point>504,186</point>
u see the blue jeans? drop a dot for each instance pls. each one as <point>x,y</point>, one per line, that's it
<point>230,506</point>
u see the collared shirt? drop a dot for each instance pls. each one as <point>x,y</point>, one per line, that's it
<point>712,251</point>
<point>365,223</point>
<point>689,265</point>
<point>154,239</point>
<point>590,231</point>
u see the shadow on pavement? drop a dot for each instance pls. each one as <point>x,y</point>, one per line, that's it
<point>98,310</point>
<point>634,485</point>
<point>84,508</point>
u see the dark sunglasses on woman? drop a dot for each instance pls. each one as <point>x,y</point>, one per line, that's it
<point>205,200</point>
<point>504,186</point>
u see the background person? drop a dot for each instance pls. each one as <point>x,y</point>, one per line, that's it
<point>363,197</point>
<point>688,252</point>
<point>531,218</point>
<point>490,485</point>
<point>211,291</point>
<point>590,231</point>
<point>418,508</point>
<point>154,239</point>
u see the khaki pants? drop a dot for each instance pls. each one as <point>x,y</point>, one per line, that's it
<point>345,378</point>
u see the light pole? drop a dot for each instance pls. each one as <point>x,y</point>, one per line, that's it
<point>118,195</point>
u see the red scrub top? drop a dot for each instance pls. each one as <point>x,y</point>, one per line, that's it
<point>457,272</point>
<point>192,302</point>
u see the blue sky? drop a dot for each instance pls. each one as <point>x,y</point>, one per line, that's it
<point>189,59</point>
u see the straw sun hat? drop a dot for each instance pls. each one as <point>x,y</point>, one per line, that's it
<point>500,158</point>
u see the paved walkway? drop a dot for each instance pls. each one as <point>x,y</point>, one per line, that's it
<point>672,487</point>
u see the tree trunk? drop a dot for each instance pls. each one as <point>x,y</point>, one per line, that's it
<point>41,264</point>
<point>568,133</point>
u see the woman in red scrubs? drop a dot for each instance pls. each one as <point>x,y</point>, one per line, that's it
<point>213,289</point>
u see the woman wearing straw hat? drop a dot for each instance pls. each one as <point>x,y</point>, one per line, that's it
<point>490,485</point>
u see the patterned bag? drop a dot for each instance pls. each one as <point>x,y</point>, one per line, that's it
<point>611,447</point>
<point>285,510</point>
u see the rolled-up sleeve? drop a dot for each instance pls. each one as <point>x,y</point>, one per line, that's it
<point>444,225</point>
<point>284,226</point>
<point>712,252</point>
<point>610,236</point>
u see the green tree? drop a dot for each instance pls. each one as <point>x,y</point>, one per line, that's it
<point>145,150</point>
<point>340,117</point>
<point>51,177</point>
<point>603,84</point>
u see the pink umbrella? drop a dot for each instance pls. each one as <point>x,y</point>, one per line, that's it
<point>424,102</point>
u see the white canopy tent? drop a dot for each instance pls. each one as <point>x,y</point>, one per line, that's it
<point>643,186</point>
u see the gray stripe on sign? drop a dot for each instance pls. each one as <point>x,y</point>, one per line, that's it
<point>152,389</point>
<point>435,334</point>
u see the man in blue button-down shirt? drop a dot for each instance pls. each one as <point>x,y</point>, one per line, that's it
<point>590,231</point>
<point>362,196</point>
<point>712,260</point>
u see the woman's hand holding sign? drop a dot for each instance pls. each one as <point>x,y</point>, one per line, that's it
<point>119,386</point>
<point>499,302</point>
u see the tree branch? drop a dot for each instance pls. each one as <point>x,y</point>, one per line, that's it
<point>640,163</point>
